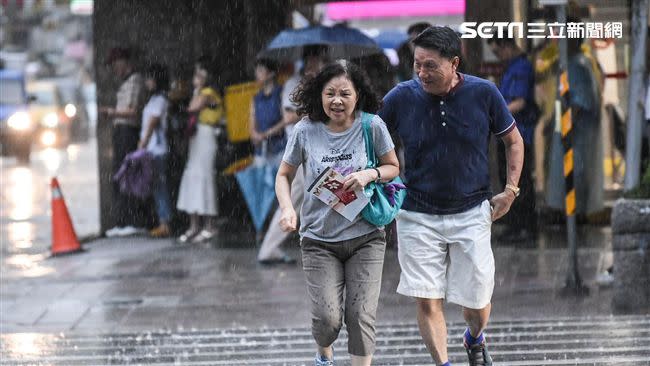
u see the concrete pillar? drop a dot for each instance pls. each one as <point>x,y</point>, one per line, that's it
<point>176,33</point>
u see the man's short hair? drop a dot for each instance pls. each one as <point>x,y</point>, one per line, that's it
<point>118,53</point>
<point>441,39</point>
<point>418,27</point>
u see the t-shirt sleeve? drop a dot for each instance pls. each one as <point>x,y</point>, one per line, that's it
<point>288,89</point>
<point>158,105</point>
<point>388,110</point>
<point>501,120</point>
<point>212,94</point>
<point>294,152</point>
<point>381,139</point>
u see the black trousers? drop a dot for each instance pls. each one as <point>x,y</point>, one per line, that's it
<point>522,214</point>
<point>125,210</point>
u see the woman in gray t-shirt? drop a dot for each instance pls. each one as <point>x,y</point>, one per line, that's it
<point>342,259</point>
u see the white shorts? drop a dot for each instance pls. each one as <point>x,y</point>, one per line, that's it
<point>447,256</point>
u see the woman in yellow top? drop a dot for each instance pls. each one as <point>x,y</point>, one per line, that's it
<point>197,195</point>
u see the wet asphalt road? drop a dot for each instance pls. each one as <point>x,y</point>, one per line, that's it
<point>25,223</point>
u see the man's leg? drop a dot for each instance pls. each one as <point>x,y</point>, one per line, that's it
<point>477,319</point>
<point>433,329</point>
<point>424,258</point>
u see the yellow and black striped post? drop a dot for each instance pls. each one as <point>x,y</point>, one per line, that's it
<point>567,138</point>
<point>563,112</point>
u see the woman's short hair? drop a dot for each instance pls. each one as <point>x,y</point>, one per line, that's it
<point>159,74</point>
<point>308,94</point>
<point>268,64</point>
<point>442,39</point>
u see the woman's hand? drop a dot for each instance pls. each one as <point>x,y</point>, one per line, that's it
<point>256,137</point>
<point>359,179</point>
<point>288,220</point>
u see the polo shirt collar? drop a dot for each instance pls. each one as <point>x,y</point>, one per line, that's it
<point>452,91</point>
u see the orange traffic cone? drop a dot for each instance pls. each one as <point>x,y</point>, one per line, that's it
<point>64,239</point>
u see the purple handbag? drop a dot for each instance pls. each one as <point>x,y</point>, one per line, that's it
<point>135,175</point>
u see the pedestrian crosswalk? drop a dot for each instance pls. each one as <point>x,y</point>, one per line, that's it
<point>610,340</point>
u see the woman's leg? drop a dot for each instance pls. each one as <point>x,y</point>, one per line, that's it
<point>363,272</point>
<point>161,192</point>
<point>324,273</point>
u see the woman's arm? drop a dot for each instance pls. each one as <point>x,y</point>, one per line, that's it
<point>197,103</point>
<point>256,136</point>
<point>388,169</point>
<point>283,179</point>
<point>153,124</point>
<point>277,129</point>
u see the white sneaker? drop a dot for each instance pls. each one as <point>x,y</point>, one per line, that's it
<point>113,232</point>
<point>605,279</point>
<point>130,230</point>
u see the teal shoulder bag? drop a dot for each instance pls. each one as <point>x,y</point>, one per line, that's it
<point>385,198</point>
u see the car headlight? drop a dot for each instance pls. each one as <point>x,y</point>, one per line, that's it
<point>19,121</point>
<point>70,110</point>
<point>51,120</point>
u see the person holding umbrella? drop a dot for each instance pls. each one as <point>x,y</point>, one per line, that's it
<point>313,59</point>
<point>342,259</point>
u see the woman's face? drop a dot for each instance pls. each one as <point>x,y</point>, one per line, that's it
<point>200,76</point>
<point>339,99</point>
<point>262,74</point>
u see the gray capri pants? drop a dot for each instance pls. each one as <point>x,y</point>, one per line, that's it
<point>345,278</point>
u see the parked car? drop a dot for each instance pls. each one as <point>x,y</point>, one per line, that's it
<point>17,128</point>
<point>49,113</point>
<point>75,107</point>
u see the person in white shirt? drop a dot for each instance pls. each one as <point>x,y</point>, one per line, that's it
<point>270,252</point>
<point>153,139</point>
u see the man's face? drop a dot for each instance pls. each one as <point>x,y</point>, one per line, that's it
<point>435,72</point>
<point>313,65</point>
<point>120,67</point>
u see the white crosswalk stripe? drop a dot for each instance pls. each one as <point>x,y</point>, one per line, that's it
<point>612,340</point>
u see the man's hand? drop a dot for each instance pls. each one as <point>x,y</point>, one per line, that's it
<point>108,111</point>
<point>142,144</point>
<point>359,179</point>
<point>501,204</point>
<point>288,220</point>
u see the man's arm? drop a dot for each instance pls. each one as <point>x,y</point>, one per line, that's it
<point>514,159</point>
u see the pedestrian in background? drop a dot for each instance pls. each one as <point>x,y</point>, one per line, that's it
<point>405,51</point>
<point>197,194</point>
<point>153,138</point>
<point>517,86</point>
<point>265,125</point>
<point>314,58</point>
<point>444,120</point>
<point>342,260</point>
<point>588,171</point>
<point>126,120</point>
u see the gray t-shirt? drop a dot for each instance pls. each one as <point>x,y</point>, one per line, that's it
<point>316,147</point>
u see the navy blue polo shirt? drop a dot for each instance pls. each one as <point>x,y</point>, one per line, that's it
<point>445,142</point>
<point>518,81</point>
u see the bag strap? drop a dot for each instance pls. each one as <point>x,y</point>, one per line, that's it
<point>366,119</point>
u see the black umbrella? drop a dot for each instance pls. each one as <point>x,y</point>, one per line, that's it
<point>341,42</point>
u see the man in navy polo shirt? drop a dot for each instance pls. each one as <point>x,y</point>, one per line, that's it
<point>518,89</point>
<point>444,120</point>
